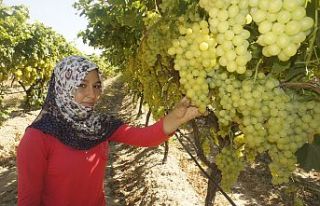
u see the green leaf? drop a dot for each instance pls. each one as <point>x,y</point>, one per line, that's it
<point>130,19</point>
<point>309,155</point>
<point>316,140</point>
<point>295,73</point>
<point>279,67</point>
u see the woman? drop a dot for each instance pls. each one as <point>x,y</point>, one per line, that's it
<point>62,156</point>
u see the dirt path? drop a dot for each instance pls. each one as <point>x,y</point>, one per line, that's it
<point>136,176</point>
<point>10,134</point>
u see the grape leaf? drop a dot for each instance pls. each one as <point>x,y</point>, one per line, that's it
<point>279,67</point>
<point>308,155</point>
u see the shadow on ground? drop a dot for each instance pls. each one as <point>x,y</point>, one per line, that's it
<point>8,191</point>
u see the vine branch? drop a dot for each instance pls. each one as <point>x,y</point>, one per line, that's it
<point>198,147</point>
<point>313,38</point>
<point>299,85</point>
<point>204,172</point>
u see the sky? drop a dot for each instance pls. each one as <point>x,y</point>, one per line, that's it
<point>61,16</point>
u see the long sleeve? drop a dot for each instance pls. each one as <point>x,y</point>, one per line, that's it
<point>145,137</point>
<point>32,166</point>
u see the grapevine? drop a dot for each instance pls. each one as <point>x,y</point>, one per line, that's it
<point>152,68</point>
<point>248,63</point>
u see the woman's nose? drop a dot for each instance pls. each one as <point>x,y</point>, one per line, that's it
<point>91,92</point>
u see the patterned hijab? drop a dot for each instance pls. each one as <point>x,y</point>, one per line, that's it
<point>73,124</point>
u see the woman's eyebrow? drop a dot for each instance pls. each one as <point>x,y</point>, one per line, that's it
<point>85,81</point>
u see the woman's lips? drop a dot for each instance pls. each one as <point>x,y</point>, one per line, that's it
<point>88,104</point>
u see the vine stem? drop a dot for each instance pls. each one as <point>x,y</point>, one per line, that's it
<point>314,35</point>
<point>302,86</point>
<point>256,70</point>
<point>204,172</point>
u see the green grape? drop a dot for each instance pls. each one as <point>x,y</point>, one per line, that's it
<point>284,16</point>
<point>258,15</point>
<point>265,27</point>
<point>299,13</point>
<point>275,6</point>
<point>293,27</point>
<point>306,23</point>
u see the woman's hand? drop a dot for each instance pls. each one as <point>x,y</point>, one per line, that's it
<point>182,113</point>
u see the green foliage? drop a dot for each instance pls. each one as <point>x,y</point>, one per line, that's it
<point>116,26</point>
<point>309,155</point>
<point>28,52</point>
<point>34,59</point>
<point>104,66</point>
<point>13,29</point>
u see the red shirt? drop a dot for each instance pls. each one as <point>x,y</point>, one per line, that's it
<point>51,173</point>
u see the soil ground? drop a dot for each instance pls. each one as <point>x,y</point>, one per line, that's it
<point>136,176</point>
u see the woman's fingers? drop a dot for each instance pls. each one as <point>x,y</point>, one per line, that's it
<point>185,102</point>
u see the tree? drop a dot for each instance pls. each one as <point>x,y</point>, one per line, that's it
<point>28,53</point>
<point>34,59</point>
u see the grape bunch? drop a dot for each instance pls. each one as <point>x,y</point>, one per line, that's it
<point>227,20</point>
<point>270,119</point>
<point>148,71</point>
<point>282,25</point>
<point>195,57</point>
<point>230,162</point>
<point>300,123</point>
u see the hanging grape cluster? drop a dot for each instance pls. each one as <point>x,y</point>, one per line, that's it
<point>270,119</point>
<point>282,25</point>
<point>227,19</point>
<point>231,163</point>
<point>151,68</point>
<point>195,56</point>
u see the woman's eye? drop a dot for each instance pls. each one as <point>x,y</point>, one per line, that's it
<point>98,86</point>
<point>82,86</point>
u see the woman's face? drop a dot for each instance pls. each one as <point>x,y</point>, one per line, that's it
<point>89,91</point>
